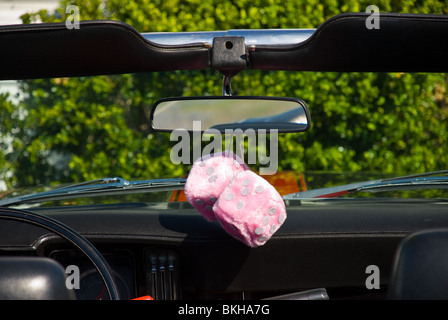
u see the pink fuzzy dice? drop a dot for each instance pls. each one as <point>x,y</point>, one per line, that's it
<point>250,209</point>
<point>207,179</point>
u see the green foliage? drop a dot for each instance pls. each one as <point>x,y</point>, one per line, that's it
<point>84,128</point>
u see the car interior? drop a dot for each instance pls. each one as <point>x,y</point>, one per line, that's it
<point>167,250</point>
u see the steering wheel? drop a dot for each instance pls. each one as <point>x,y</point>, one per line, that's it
<point>73,237</point>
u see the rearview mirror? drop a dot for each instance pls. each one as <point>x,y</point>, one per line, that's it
<point>230,112</point>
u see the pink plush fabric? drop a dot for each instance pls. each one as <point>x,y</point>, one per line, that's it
<point>250,209</point>
<point>207,179</point>
<point>222,188</point>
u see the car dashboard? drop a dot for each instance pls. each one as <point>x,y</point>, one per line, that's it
<point>168,251</point>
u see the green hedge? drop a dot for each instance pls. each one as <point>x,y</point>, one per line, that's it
<point>85,128</point>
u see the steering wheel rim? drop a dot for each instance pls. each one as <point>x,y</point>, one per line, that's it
<point>70,235</point>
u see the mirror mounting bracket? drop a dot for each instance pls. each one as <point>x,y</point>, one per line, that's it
<point>228,55</point>
<point>226,87</point>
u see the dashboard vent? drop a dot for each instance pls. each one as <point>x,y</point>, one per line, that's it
<point>163,274</point>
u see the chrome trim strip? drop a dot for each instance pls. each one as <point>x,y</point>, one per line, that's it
<point>252,36</point>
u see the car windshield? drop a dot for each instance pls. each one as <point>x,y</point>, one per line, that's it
<point>365,125</point>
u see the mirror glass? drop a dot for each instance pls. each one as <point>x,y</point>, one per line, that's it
<point>230,112</point>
